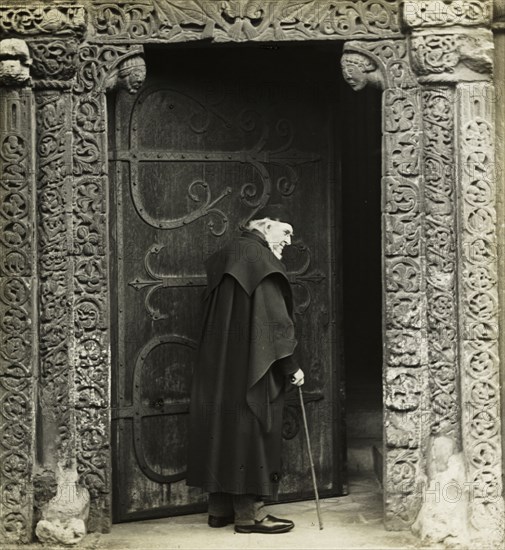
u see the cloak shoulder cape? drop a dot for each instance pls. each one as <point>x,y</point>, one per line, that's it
<point>249,260</point>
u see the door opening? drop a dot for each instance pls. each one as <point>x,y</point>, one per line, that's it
<point>360,119</point>
<point>215,133</point>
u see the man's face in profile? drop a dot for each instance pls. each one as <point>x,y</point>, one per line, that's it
<point>278,235</point>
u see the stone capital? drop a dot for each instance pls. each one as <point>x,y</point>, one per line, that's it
<point>15,62</point>
<point>452,55</point>
<point>129,74</point>
<point>54,62</point>
<point>382,64</point>
<point>103,68</point>
<point>359,69</point>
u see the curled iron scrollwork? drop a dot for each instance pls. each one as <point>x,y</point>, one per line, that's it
<point>207,208</point>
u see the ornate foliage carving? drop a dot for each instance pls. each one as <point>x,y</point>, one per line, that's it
<point>90,297</point>
<point>406,346</point>
<point>40,19</point>
<point>420,283</point>
<point>99,68</point>
<point>230,20</point>
<point>439,194</point>
<point>53,170</point>
<point>446,13</point>
<point>241,20</point>
<point>420,272</point>
<point>478,310</point>
<point>402,497</point>
<point>384,64</point>
<point>17,312</point>
<point>451,56</point>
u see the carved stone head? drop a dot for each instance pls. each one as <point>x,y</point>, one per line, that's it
<point>360,70</point>
<point>132,74</point>
<point>15,62</point>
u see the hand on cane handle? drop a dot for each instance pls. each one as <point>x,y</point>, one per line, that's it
<point>297,378</point>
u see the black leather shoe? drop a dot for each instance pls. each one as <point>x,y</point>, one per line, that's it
<point>270,524</point>
<point>220,521</point>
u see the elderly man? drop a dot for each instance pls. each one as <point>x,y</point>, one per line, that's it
<point>244,362</point>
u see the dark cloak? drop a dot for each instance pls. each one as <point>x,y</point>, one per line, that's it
<point>243,360</point>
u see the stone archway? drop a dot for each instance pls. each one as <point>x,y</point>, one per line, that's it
<point>441,387</point>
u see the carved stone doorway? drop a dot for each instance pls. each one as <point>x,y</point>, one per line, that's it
<point>440,279</point>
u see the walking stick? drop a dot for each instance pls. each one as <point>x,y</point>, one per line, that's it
<point>310,457</point>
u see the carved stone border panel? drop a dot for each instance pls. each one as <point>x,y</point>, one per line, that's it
<point>100,68</point>
<point>441,260</point>
<point>141,21</point>
<point>405,333</point>
<point>17,308</point>
<point>479,310</point>
<point>245,20</point>
<point>386,65</point>
<point>91,354</point>
<point>441,342</point>
<point>53,117</point>
<point>446,13</point>
<point>37,19</point>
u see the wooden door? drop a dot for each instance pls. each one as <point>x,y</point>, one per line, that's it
<point>192,155</point>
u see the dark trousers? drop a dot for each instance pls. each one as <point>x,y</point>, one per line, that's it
<point>246,508</point>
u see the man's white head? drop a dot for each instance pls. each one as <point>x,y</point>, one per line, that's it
<point>273,222</point>
<point>278,235</point>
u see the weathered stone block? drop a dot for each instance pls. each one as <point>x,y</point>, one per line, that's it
<point>445,494</point>
<point>64,516</point>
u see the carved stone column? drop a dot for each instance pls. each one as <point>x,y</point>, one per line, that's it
<point>446,516</point>
<point>405,372</point>
<point>18,307</point>
<point>61,504</point>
